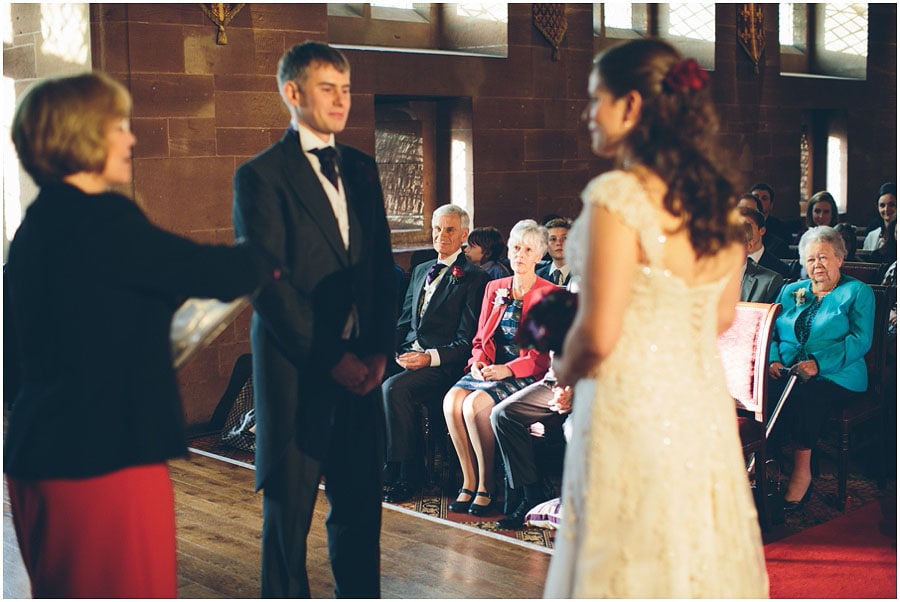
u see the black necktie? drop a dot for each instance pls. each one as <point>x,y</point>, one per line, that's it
<point>434,272</point>
<point>558,277</point>
<point>326,160</point>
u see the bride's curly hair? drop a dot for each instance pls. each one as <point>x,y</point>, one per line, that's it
<point>675,136</point>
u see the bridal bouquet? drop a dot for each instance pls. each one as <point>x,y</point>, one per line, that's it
<point>548,321</point>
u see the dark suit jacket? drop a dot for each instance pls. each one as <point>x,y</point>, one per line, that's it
<point>543,271</point>
<point>92,289</point>
<point>759,284</point>
<point>297,325</point>
<point>449,321</point>
<point>771,262</point>
<point>777,246</point>
<point>530,362</point>
<point>777,228</point>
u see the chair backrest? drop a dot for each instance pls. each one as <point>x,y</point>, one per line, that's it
<point>744,351</point>
<point>876,357</point>
<point>870,273</point>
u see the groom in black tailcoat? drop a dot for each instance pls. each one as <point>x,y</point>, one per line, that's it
<point>322,334</point>
<point>433,343</point>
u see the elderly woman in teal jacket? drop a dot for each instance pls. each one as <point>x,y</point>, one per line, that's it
<point>822,334</point>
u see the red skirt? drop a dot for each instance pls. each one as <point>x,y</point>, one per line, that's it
<point>111,536</point>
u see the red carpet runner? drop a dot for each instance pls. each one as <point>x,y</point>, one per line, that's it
<point>847,557</point>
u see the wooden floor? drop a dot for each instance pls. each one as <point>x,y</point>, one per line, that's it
<point>219,520</point>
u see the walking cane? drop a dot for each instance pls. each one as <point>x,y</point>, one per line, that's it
<point>792,380</point>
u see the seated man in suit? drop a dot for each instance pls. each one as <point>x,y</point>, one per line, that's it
<point>433,341</point>
<point>556,270</point>
<point>511,419</point>
<point>756,250</point>
<point>758,284</point>
<point>775,228</point>
<point>775,244</point>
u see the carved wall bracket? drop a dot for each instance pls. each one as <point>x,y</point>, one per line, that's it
<point>751,32</point>
<point>550,20</point>
<point>221,15</point>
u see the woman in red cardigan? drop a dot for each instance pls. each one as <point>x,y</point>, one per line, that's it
<point>497,368</point>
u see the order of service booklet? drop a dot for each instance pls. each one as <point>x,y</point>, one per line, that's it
<point>198,322</point>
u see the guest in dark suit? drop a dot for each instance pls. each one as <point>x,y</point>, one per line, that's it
<point>511,420</point>
<point>758,284</point>
<point>556,270</point>
<point>322,336</point>
<point>756,250</point>
<point>497,368</point>
<point>91,287</point>
<point>433,341</point>
<point>775,228</point>
<point>775,244</point>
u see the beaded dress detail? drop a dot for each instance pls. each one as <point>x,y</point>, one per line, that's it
<point>656,500</point>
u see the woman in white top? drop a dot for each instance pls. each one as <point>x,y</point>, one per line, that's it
<point>887,208</point>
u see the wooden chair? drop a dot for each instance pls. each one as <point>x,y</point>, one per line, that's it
<point>870,273</point>
<point>744,351</point>
<point>870,405</point>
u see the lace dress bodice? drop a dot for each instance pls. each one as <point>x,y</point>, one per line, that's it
<point>656,500</point>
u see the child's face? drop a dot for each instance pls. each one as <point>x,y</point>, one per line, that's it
<point>474,253</point>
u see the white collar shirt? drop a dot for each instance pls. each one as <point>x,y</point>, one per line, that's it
<point>336,196</point>
<point>564,270</point>
<point>756,256</point>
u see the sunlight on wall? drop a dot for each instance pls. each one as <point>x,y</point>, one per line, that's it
<point>489,11</point>
<point>7,24</point>
<point>12,186</point>
<point>48,40</point>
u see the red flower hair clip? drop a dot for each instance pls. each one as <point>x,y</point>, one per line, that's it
<point>686,75</point>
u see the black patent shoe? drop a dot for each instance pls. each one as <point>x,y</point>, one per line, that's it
<point>795,506</point>
<point>478,509</point>
<point>516,519</point>
<point>400,492</point>
<point>460,506</point>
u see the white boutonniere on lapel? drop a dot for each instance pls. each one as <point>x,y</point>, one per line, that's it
<point>502,296</point>
<point>800,297</point>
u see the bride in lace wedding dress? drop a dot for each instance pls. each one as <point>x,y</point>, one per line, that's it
<point>655,494</point>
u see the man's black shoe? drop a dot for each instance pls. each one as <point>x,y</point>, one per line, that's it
<point>400,492</point>
<point>516,519</point>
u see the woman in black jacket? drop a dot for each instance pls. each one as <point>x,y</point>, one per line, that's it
<point>93,286</point>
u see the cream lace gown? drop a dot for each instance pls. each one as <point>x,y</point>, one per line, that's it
<point>656,500</point>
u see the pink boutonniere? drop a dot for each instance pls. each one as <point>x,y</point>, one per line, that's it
<point>456,274</point>
<point>502,296</point>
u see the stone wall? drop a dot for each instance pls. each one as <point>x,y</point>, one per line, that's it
<point>200,109</point>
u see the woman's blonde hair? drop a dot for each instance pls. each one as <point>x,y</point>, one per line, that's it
<point>59,126</point>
